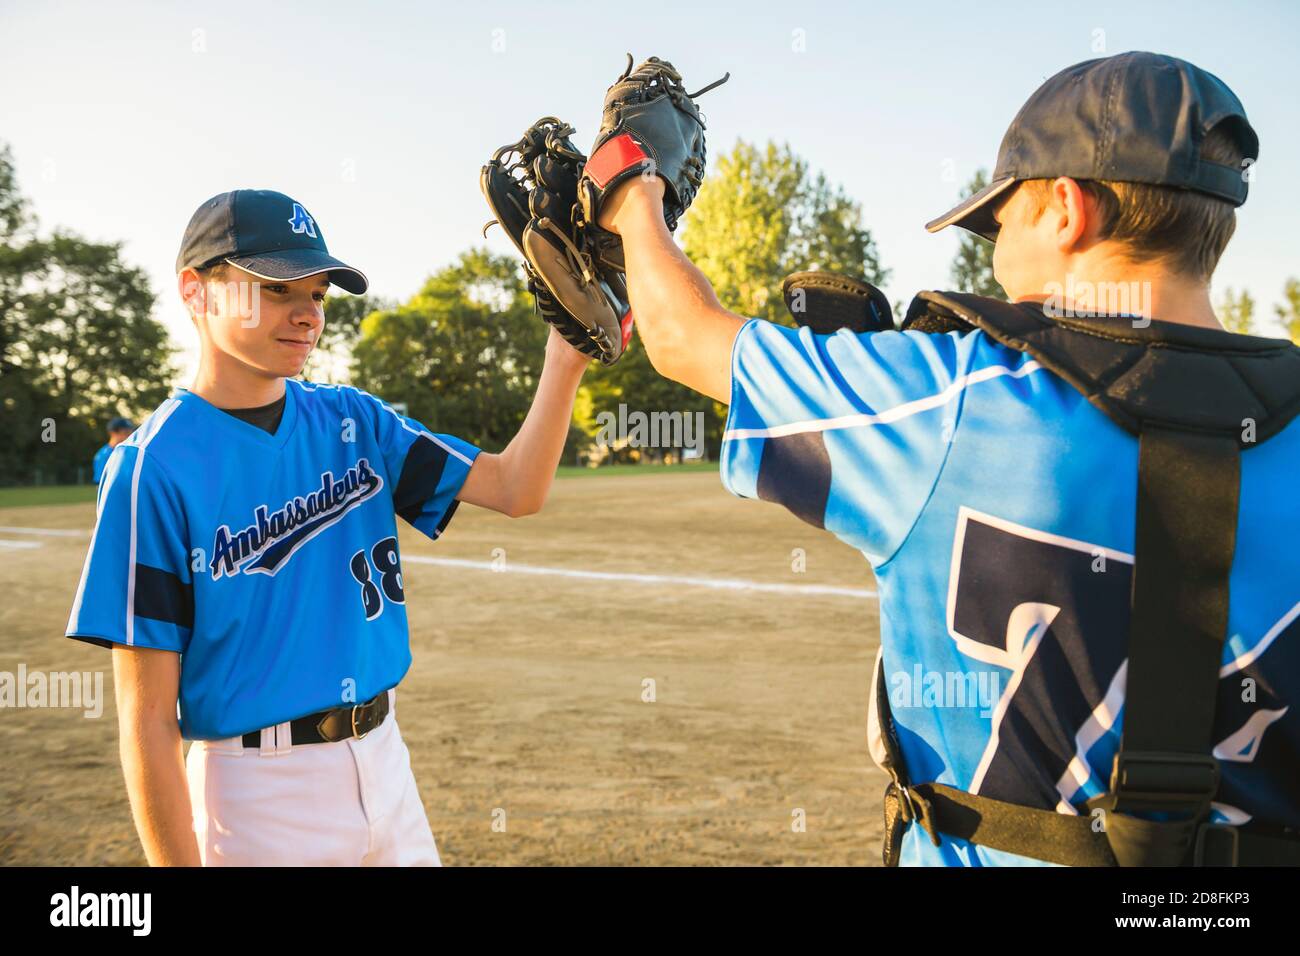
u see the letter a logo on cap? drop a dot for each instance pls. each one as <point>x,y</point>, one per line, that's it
<point>301,222</point>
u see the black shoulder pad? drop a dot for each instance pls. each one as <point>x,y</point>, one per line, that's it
<point>926,316</point>
<point>1162,373</point>
<point>827,302</point>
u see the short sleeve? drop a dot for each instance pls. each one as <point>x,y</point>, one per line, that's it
<point>429,469</point>
<point>136,587</point>
<point>848,431</point>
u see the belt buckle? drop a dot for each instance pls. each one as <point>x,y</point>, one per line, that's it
<point>355,708</point>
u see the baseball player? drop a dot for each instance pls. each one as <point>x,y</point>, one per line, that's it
<point>1058,494</point>
<point>119,429</point>
<point>245,565</point>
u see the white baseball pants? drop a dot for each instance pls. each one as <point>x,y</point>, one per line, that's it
<point>348,803</point>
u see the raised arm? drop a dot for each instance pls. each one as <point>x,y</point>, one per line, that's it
<point>686,332</point>
<point>517,481</point>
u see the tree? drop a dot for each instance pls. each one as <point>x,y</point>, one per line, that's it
<point>760,216</point>
<point>1289,312</point>
<point>634,382</point>
<point>78,343</point>
<point>972,267</point>
<point>94,344</point>
<point>15,215</point>
<point>331,360</point>
<point>1236,311</point>
<point>463,353</point>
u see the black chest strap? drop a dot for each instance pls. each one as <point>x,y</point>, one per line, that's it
<point>1193,398</point>
<point>1186,535</point>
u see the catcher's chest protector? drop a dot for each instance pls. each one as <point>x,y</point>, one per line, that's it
<point>1196,399</point>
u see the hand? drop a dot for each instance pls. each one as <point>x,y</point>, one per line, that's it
<point>629,199</point>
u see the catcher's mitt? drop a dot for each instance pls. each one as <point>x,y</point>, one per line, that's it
<point>534,198</point>
<point>650,126</point>
<point>827,302</point>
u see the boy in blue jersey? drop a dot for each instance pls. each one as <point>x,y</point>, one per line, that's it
<point>245,565</point>
<point>119,429</point>
<point>996,502</point>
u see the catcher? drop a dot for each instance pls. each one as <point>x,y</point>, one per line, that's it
<point>1080,511</point>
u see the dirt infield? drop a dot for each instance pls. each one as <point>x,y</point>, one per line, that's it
<point>525,695</point>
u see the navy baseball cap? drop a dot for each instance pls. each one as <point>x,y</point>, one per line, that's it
<point>1130,118</point>
<point>121,424</point>
<point>265,233</point>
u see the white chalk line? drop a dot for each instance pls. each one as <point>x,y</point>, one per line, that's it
<point>717,584</point>
<point>11,545</point>
<point>50,532</point>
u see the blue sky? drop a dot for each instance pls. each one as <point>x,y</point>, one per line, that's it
<point>123,117</point>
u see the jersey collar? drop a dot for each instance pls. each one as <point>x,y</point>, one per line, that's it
<point>236,426</point>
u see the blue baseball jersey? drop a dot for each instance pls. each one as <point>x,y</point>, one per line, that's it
<point>100,460</point>
<point>996,507</point>
<point>269,562</point>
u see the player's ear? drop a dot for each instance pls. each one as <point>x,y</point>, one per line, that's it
<point>1071,212</point>
<point>193,293</point>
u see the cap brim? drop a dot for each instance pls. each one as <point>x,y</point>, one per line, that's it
<point>289,264</point>
<point>975,212</point>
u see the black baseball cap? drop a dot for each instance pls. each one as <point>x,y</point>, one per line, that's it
<point>265,233</point>
<point>1130,118</point>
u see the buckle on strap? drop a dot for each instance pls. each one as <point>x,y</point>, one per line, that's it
<point>919,809</point>
<point>354,722</point>
<point>1164,780</point>
<point>362,713</point>
<point>1217,844</point>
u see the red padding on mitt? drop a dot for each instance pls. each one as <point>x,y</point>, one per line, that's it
<point>612,158</point>
<point>625,324</point>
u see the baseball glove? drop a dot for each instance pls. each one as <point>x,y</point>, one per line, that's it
<point>531,187</point>
<point>651,126</point>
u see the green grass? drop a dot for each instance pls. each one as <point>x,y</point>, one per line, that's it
<point>46,495</point>
<point>80,494</point>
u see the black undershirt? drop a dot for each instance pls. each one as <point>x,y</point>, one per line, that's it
<point>265,417</point>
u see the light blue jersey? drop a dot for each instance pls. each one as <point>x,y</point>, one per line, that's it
<point>100,460</point>
<point>997,507</point>
<point>269,562</point>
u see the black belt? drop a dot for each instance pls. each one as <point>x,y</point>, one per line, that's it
<point>330,726</point>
